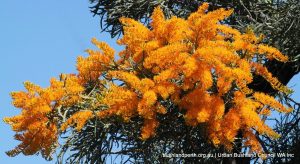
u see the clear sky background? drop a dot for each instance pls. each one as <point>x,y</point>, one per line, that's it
<point>40,40</point>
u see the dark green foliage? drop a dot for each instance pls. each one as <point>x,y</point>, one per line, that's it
<point>110,11</point>
<point>289,127</point>
<point>111,141</point>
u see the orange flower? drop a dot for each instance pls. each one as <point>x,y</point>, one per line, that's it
<point>198,64</point>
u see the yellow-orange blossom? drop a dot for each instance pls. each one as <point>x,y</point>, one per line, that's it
<point>192,63</point>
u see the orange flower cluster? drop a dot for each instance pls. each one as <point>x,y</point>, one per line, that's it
<point>198,64</point>
<point>36,126</point>
<point>184,60</point>
<point>79,118</point>
<point>120,101</point>
<point>91,68</point>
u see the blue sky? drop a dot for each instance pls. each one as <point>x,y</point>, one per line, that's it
<point>40,40</point>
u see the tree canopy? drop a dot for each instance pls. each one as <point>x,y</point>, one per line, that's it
<point>182,85</point>
<point>278,20</point>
